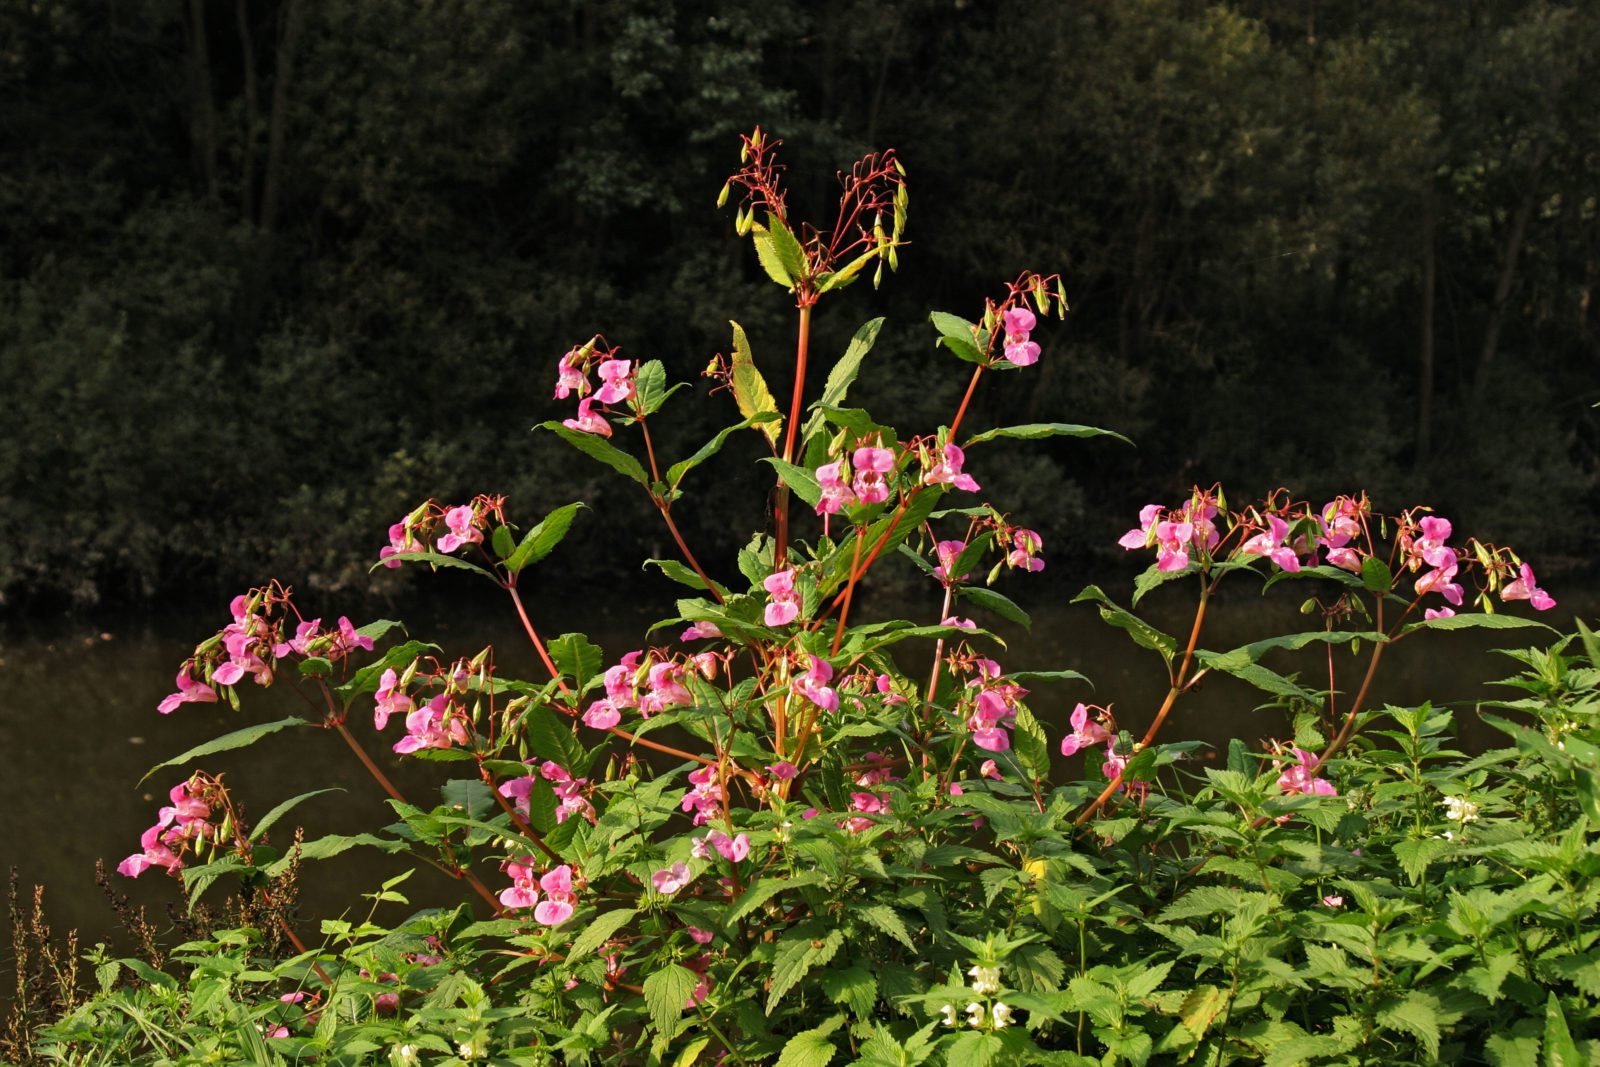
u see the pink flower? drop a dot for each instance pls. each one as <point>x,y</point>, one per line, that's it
<point>602,715</point>
<point>1019,323</point>
<point>435,725</point>
<point>784,606</point>
<point>783,770</point>
<point>733,849</point>
<point>959,623</point>
<point>672,879</point>
<point>1438,613</point>
<point>588,420</point>
<point>813,685</point>
<point>1339,522</point>
<point>1441,580</point>
<point>524,891</point>
<point>1331,901</point>
<point>873,465</point>
<point>389,701</point>
<point>836,493</point>
<point>154,853</point>
<point>704,797</point>
<point>1084,733</point>
<point>699,936</point>
<point>570,377</point>
<point>189,692</point>
<point>1140,537</point>
<point>947,471</point>
<point>617,382</point>
<point>989,769</point>
<point>1524,588</point>
<point>956,790</point>
<point>664,690</point>
<point>1301,777</point>
<point>989,720</point>
<point>1025,548</point>
<point>463,529</point>
<point>1172,545</point>
<point>400,544</point>
<point>520,790</point>
<point>699,630</point>
<point>948,552</point>
<point>1269,543</point>
<point>559,902</point>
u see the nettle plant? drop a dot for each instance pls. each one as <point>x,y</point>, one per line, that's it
<point>776,832</point>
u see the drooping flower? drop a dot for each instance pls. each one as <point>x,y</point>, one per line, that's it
<point>1140,537</point>
<point>462,523</point>
<point>734,849</point>
<point>985,979</point>
<point>663,689</point>
<point>1270,543</point>
<point>1460,809</point>
<point>1025,548</point>
<point>434,725</point>
<point>948,552</point>
<point>524,890</point>
<point>617,384</point>
<point>1002,1015</point>
<point>1340,525</point>
<point>947,471</point>
<point>559,900</point>
<point>390,699</point>
<point>1084,732</point>
<point>1441,580</point>
<point>570,377</point>
<point>674,878</point>
<point>602,715</point>
<point>401,543</point>
<point>784,606</point>
<point>189,691</point>
<point>836,491</point>
<point>813,685</point>
<point>1526,588</point>
<point>873,465</point>
<point>699,630</point>
<point>989,721</point>
<point>783,770</point>
<point>588,420</point>
<point>705,795</point>
<point>1019,323</point>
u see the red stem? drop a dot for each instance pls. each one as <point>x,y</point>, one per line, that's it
<point>781,505</point>
<point>965,400</point>
<point>533,635</point>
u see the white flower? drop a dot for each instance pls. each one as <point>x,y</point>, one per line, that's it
<point>975,1013</point>
<point>1002,1015</point>
<point>985,980</point>
<point>407,1055</point>
<point>1461,810</point>
<point>949,1013</point>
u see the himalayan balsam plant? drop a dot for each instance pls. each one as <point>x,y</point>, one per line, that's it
<point>780,832</point>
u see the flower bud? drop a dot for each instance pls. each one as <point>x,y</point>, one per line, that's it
<point>722,197</point>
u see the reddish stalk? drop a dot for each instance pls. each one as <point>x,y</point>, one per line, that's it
<point>961,411</point>
<point>533,635</point>
<point>781,505</point>
<point>299,946</point>
<point>844,612</point>
<point>516,818</point>
<point>1180,682</point>
<point>668,749</point>
<point>688,556</point>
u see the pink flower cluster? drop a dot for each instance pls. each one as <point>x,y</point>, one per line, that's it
<point>652,686</point>
<point>253,643</point>
<point>1175,532</point>
<point>813,685</point>
<point>1019,323</point>
<point>1025,548</point>
<point>735,849</point>
<point>1301,776</point>
<point>1424,546</point>
<point>559,901</point>
<point>704,796</point>
<point>178,824</point>
<point>869,803</point>
<point>570,793</point>
<point>618,385</point>
<point>994,709</point>
<point>1340,521</point>
<point>440,723</point>
<point>872,465</point>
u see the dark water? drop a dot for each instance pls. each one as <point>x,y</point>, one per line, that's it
<point>78,725</point>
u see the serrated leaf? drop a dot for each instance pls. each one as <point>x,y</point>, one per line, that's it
<point>576,656</point>
<point>1559,1049</point>
<point>1414,855</point>
<point>1376,575</point>
<point>759,892</point>
<point>1035,431</point>
<point>685,575</point>
<point>750,390</point>
<point>599,930</point>
<point>795,957</point>
<point>368,678</point>
<point>802,482</point>
<point>594,446</point>
<point>284,808</point>
<point>436,559</point>
<point>666,992</point>
<point>550,737</point>
<point>1418,1016</point>
<point>854,987</point>
<point>811,1048</point>
<point>1476,621</point>
<point>1031,746</point>
<point>888,920</point>
<point>332,845</point>
<point>540,541</point>
<point>229,741</point>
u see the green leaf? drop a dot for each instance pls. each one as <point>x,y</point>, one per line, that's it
<point>287,806</point>
<point>1417,1015</point>
<point>1036,430</point>
<point>750,390</point>
<point>592,445</point>
<point>438,559</point>
<point>651,384</point>
<point>229,741</point>
<point>888,920</point>
<point>1477,621</point>
<point>315,667</point>
<point>332,845</point>
<point>764,890</point>
<point>503,542</point>
<point>781,256</point>
<point>796,956</point>
<point>676,472</point>
<point>666,991</point>
<point>685,575</point>
<point>1559,1049</point>
<point>853,986</point>
<point>801,482</point>
<point>540,541</point>
<point>811,1048</point>
<point>1414,855</point>
<point>890,529</point>
<point>1240,666</point>
<point>1144,635</point>
<point>600,928</point>
<point>576,656</point>
<point>1376,575</point>
<point>843,374</point>
<point>550,737</point>
<point>1031,746</point>
<point>368,678</point>
<point>1001,605</point>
